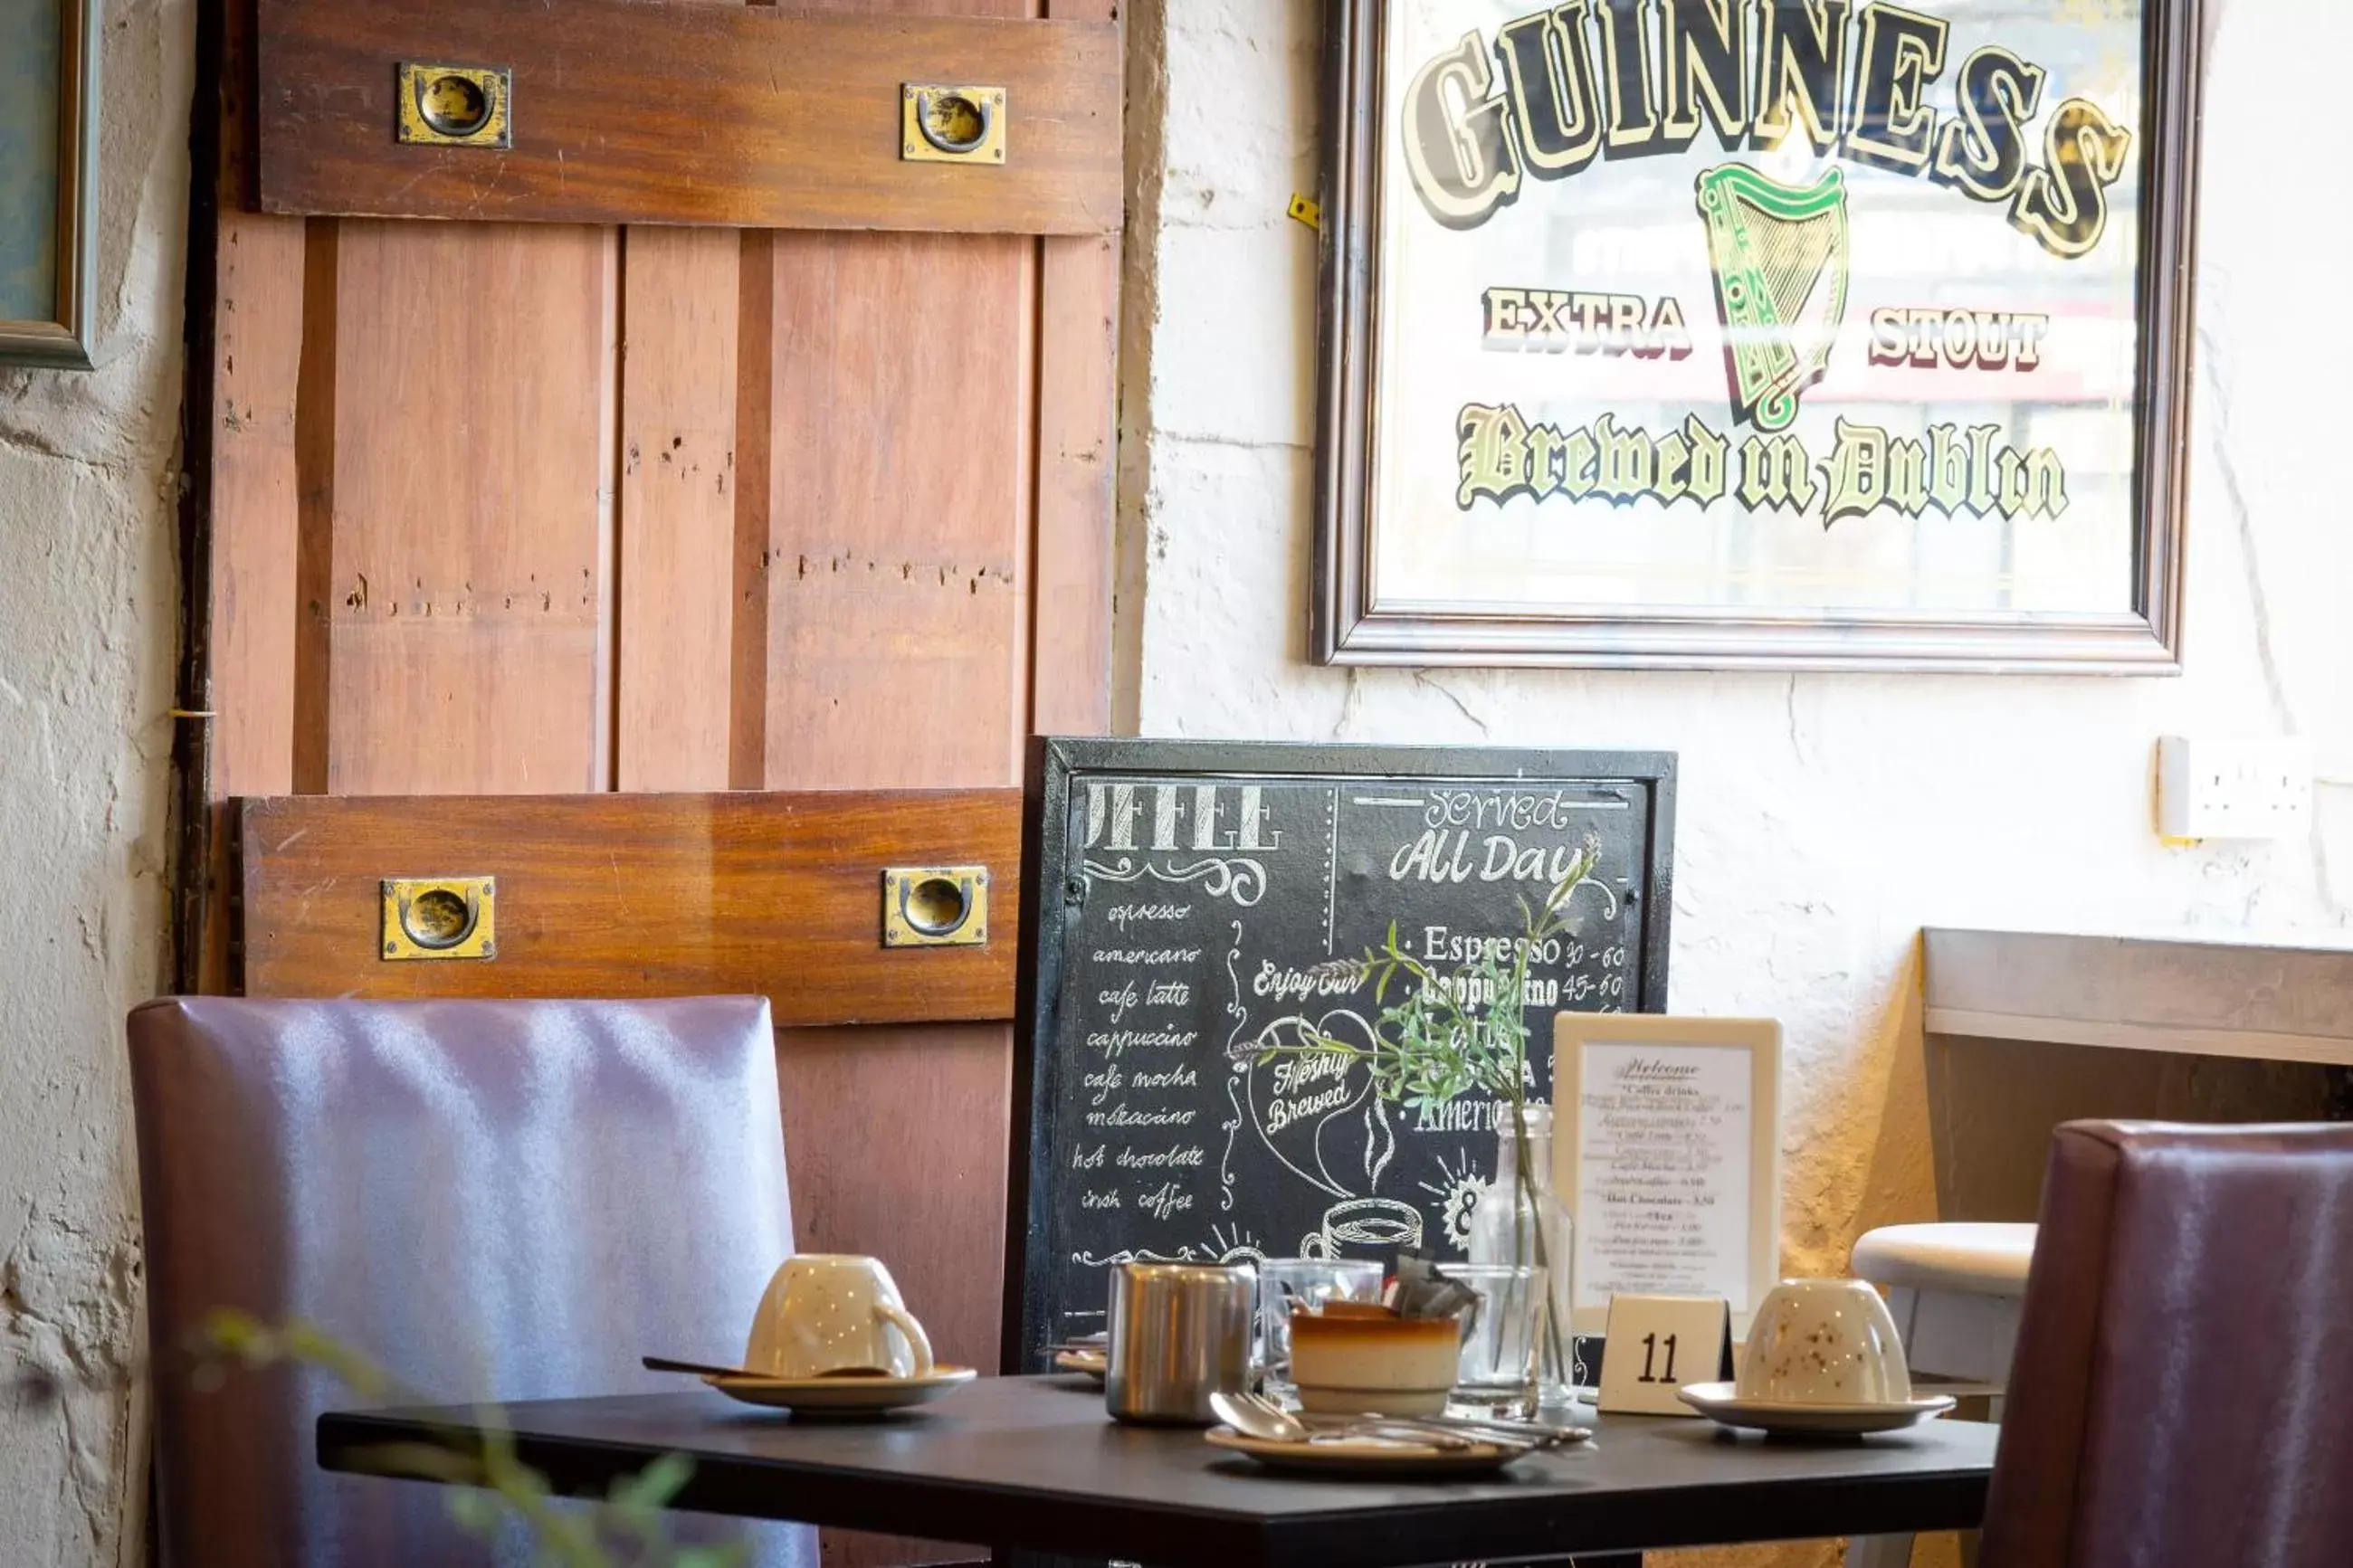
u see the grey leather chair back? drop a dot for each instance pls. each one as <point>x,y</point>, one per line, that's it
<point>511,1200</point>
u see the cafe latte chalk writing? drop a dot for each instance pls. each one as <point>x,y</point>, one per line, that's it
<point>1158,1129</point>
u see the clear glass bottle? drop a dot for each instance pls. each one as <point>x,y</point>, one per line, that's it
<point>1503,1228</point>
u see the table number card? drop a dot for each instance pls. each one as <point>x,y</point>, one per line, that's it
<point>1666,1148</point>
<point>1657,1343</point>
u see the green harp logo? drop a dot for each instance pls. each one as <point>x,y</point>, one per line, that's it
<point>1779,256</point>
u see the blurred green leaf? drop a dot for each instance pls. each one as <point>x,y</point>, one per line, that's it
<point>480,1461</point>
<point>475,1512</point>
<point>653,1486</point>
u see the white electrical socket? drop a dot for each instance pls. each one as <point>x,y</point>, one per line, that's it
<point>2220,786</point>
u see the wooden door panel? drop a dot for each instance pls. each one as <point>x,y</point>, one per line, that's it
<point>900,448</point>
<point>638,895</point>
<point>891,1143</point>
<point>901,452</point>
<point>678,500</point>
<point>469,504</point>
<point>630,113</point>
<point>1078,398</point>
<point>1008,8</point>
<point>257,363</point>
<point>910,1098</point>
<point>747,610</point>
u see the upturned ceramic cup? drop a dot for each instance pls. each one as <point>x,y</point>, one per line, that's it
<point>1824,1341</point>
<point>825,1313</point>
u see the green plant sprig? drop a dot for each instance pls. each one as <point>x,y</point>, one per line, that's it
<point>629,1519</point>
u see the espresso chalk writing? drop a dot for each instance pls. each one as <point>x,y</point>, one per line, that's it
<point>1121,915</point>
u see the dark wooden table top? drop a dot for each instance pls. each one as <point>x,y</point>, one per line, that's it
<point>1034,1463</point>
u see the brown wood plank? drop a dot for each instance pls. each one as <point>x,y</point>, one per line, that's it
<point>1078,398</point>
<point>641,112</point>
<point>471,420</point>
<point>250,512</point>
<point>909,1091</point>
<point>680,490</point>
<point>315,403</point>
<point>638,895</point>
<point>755,336</point>
<point>933,1099</point>
<point>899,506</point>
<point>677,508</point>
<point>902,530</point>
<point>257,355</point>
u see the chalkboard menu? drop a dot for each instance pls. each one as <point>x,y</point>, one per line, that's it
<point>1186,904</point>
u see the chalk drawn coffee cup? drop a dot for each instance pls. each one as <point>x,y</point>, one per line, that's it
<point>1383,1226</point>
<point>827,1313</point>
<point>1824,1341</point>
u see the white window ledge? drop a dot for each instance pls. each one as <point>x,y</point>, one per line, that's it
<point>2198,999</point>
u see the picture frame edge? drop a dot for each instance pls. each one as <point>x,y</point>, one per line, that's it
<point>69,342</point>
<point>1346,629</point>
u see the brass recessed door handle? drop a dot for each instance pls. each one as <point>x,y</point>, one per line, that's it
<point>945,124</point>
<point>935,906</point>
<point>456,106</point>
<point>440,917</point>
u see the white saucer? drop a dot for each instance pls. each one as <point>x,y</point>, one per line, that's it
<point>1087,1364</point>
<point>1366,1456</point>
<point>844,1395</point>
<point>1722,1402</point>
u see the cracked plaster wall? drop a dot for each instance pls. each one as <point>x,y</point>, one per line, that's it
<point>1825,819</point>
<point>89,476</point>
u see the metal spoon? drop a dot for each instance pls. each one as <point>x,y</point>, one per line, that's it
<point>1499,1429</point>
<point>1253,1417</point>
<point>700,1369</point>
<point>1256,1416</point>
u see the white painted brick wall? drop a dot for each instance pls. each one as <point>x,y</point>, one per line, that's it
<point>89,609</point>
<point>1825,819</point>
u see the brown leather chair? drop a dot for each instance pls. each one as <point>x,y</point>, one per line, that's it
<point>502,1199</point>
<point>2182,1393</point>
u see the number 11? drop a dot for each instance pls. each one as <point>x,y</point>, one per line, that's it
<point>1650,1351</point>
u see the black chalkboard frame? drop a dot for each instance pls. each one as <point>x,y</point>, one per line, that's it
<point>1049,888</point>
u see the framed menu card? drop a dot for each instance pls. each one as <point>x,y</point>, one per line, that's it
<point>1667,1150</point>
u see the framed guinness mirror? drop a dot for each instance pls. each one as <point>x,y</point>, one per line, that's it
<point>1791,333</point>
<point>49,180</point>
